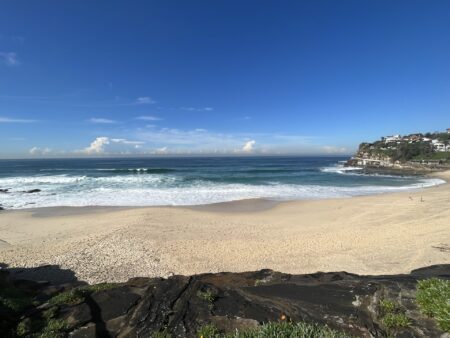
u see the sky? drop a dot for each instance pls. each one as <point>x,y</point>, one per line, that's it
<point>151,78</point>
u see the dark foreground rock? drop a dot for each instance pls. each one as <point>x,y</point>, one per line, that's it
<point>179,306</point>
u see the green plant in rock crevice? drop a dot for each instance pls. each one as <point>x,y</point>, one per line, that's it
<point>433,298</point>
<point>275,330</point>
<point>392,314</point>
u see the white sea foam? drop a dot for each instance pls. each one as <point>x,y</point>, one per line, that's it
<point>339,169</point>
<point>148,190</point>
<point>31,180</point>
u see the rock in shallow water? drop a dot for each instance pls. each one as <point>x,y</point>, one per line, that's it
<point>32,191</point>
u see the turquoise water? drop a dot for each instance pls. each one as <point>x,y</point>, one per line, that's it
<point>187,181</point>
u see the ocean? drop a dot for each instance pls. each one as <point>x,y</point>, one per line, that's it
<point>187,181</point>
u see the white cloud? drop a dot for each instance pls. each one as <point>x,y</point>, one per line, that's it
<point>198,109</point>
<point>199,141</point>
<point>12,120</point>
<point>10,59</point>
<point>106,145</point>
<point>125,141</point>
<point>248,146</point>
<point>148,118</point>
<point>102,120</point>
<point>97,146</point>
<point>39,151</point>
<point>145,100</point>
<point>163,150</point>
<point>334,150</point>
<point>172,141</point>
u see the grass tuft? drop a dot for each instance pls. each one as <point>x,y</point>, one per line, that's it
<point>395,320</point>
<point>52,328</point>
<point>55,328</point>
<point>70,297</point>
<point>433,298</point>
<point>162,334</point>
<point>276,330</point>
<point>99,287</point>
<point>392,314</point>
<point>78,294</point>
<point>14,299</point>
<point>207,295</point>
<point>387,306</point>
<point>208,331</point>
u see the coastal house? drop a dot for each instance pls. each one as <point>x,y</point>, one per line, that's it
<point>440,146</point>
<point>413,138</point>
<point>393,138</point>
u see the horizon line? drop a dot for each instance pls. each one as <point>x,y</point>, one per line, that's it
<point>172,156</point>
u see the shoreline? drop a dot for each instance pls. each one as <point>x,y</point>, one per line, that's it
<point>386,233</point>
<point>248,204</point>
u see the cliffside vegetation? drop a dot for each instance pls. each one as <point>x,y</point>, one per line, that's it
<point>408,148</point>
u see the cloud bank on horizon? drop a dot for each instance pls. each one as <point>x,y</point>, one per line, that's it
<point>193,142</point>
<point>136,136</point>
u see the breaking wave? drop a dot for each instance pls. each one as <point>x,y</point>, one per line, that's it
<point>158,190</point>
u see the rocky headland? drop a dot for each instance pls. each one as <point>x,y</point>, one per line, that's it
<point>335,304</point>
<point>414,154</point>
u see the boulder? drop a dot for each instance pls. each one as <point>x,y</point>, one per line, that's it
<point>76,315</point>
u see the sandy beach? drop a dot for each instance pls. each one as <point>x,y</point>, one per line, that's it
<point>378,234</point>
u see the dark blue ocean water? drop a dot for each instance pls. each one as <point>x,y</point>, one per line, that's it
<point>186,181</point>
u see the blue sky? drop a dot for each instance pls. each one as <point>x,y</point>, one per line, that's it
<point>102,78</point>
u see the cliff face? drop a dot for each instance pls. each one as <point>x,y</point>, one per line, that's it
<point>180,306</point>
<point>372,156</point>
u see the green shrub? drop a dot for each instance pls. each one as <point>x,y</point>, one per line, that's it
<point>78,294</point>
<point>395,320</point>
<point>276,330</point>
<point>42,328</point>
<point>24,327</point>
<point>387,306</point>
<point>99,287</point>
<point>392,314</point>
<point>433,298</point>
<point>208,331</point>
<point>70,297</point>
<point>14,299</point>
<point>55,328</point>
<point>207,295</point>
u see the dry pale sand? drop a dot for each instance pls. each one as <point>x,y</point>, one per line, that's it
<point>383,234</point>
